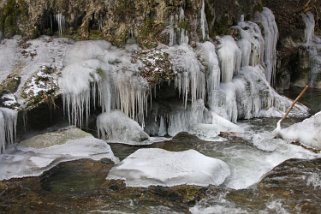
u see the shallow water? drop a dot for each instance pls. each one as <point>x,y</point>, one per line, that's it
<point>312,97</point>
<point>81,185</point>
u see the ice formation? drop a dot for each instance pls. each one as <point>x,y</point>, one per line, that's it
<point>203,22</point>
<point>147,167</point>
<point>97,71</point>
<point>8,121</point>
<point>309,22</point>
<point>307,132</point>
<point>117,127</point>
<point>230,58</point>
<point>60,19</point>
<point>40,153</point>
<point>313,44</point>
<point>251,43</point>
<point>271,34</point>
<point>176,30</point>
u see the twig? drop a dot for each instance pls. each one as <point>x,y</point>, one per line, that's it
<point>294,102</point>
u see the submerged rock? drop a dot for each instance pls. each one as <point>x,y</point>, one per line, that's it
<point>147,167</point>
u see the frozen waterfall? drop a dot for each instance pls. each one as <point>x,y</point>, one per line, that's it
<point>227,80</point>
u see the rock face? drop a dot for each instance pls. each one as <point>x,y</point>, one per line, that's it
<point>117,21</point>
<point>169,22</point>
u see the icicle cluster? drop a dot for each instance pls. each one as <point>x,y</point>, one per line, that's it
<point>98,74</point>
<point>8,122</point>
<point>251,43</point>
<point>177,26</point>
<point>271,35</point>
<point>177,33</point>
<point>60,19</point>
<point>190,78</point>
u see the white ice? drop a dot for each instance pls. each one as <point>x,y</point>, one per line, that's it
<point>230,58</point>
<point>116,127</point>
<point>271,35</point>
<point>8,122</point>
<point>97,71</point>
<point>307,132</point>
<point>34,156</point>
<point>147,167</point>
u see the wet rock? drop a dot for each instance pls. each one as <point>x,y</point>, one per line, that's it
<point>293,186</point>
<point>80,186</point>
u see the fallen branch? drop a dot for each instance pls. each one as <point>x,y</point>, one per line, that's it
<point>294,102</point>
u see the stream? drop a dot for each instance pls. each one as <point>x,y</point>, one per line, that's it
<point>254,186</point>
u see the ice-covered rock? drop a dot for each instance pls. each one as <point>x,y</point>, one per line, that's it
<point>211,131</point>
<point>117,127</point>
<point>97,71</point>
<point>154,166</point>
<point>307,132</point>
<point>39,153</point>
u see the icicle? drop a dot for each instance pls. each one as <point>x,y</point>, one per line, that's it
<point>309,22</point>
<point>230,58</point>
<point>190,78</point>
<point>203,22</point>
<point>271,34</point>
<point>8,123</point>
<point>183,119</point>
<point>60,19</point>
<point>162,127</point>
<point>251,43</point>
<point>171,31</point>
<point>76,84</point>
<point>207,53</point>
<point>183,36</point>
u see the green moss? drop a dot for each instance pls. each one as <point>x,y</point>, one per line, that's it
<point>9,16</point>
<point>101,73</point>
<point>184,24</point>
